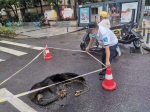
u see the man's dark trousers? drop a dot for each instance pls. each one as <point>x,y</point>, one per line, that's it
<point>112,53</point>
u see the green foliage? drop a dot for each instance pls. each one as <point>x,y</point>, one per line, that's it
<point>7,4</point>
<point>32,17</point>
<point>37,3</point>
<point>7,31</point>
<point>4,21</point>
<point>53,2</point>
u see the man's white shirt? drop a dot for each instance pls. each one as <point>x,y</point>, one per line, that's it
<point>106,37</point>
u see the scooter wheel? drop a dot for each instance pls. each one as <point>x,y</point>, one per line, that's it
<point>137,44</point>
<point>82,46</point>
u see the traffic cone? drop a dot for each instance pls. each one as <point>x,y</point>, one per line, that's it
<point>47,54</point>
<point>108,82</point>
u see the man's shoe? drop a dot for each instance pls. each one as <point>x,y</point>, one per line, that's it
<point>102,73</point>
<point>101,77</point>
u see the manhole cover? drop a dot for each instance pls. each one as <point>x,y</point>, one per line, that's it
<point>60,91</point>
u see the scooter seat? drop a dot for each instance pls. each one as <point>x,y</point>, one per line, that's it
<point>115,27</point>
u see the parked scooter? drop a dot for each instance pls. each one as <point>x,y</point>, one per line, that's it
<point>126,34</point>
<point>43,23</point>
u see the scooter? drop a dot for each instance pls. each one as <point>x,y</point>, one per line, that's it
<point>126,34</point>
<point>42,23</point>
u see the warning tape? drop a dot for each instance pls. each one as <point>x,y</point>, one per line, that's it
<point>66,49</point>
<point>95,58</point>
<point>22,68</point>
<point>29,92</point>
<point>78,51</point>
<point>32,91</point>
<point>40,54</point>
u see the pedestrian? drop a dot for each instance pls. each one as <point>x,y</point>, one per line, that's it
<point>103,20</point>
<point>107,39</point>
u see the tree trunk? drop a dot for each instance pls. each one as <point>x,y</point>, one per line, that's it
<point>41,6</point>
<point>58,11</point>
<point>37,14</point>
<point>14,12</point>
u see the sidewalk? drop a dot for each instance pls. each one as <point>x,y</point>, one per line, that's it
<point>36,32</point>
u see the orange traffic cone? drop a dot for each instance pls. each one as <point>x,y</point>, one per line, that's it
<point>47,54</point>
<point>108,82</point>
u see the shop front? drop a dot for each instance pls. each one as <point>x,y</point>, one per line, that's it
<point>119,12</point>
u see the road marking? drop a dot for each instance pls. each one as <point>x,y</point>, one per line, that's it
<point>1,60</point>
<point>22,45</point>
<point>11,51</point>
<point>17,103</point>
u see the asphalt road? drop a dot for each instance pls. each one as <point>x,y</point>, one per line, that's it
<point>130,72</point>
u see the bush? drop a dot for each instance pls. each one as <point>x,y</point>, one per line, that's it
<point>4,21</point>
<point>7,31</point>
<point>32,17</point>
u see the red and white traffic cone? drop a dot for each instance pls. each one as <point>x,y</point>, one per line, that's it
<point>108,82</point>
<point>47,54</point>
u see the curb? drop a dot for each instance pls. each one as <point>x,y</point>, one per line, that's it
<point>44,37</point>
<point>4,36</point>
<point>34,30</point>
<point>38,29</point>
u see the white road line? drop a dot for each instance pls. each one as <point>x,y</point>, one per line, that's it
<point>1,60</point>
<point>22,45</point>
<point>17,103</point>
<point>11,51</point>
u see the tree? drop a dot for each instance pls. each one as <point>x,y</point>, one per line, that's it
<point>8,4</point>
<point>37,3</point>
<point>24,3</point>
<point>55,3</point>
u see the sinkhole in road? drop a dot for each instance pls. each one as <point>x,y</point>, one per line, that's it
<point>54,94</point>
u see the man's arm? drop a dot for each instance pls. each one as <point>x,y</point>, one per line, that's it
<point>107,50</point>
<point>106,41</point>
<point>90,43</point>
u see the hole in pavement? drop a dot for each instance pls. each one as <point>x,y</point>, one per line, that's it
<point>54,94</point>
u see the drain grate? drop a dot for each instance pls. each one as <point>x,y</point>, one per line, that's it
<point>55,93</point>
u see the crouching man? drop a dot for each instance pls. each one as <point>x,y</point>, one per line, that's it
<point>107,39</point>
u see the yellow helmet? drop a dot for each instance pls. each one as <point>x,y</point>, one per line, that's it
<point>103,14</point>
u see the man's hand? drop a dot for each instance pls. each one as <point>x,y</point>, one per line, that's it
<point>87,49</point>
<point>107,64</point>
